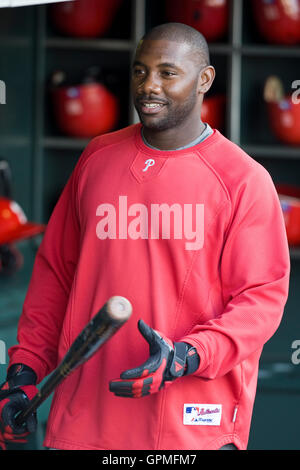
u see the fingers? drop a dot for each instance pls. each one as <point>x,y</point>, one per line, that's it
<point>131,388</point>
<point>145,330</point>
<point>136,373</point>
<point>8,435</point>
<point>149,367</point>
<point>11,404</point>
<point>139,387</point>
<point>8,416</point>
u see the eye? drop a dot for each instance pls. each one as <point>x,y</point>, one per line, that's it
<point>168,73</point>
<point>137,72</point>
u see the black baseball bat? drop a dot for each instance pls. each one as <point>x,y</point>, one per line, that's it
<point>114,313</point>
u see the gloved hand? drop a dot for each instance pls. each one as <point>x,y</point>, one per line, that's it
<point>15,394</point>
<point>167,362</point>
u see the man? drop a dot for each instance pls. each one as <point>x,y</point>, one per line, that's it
<point>179,220</point>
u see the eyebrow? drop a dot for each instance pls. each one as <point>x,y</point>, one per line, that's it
<point>164,64</point>
<point>169,64</point>
<point>137,62</point>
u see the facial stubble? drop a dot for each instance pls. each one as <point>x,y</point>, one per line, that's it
<point>176,114</point>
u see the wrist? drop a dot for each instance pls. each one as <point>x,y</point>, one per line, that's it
<point>185,360</point>
<point>20,375</point>
<point>192,359</point>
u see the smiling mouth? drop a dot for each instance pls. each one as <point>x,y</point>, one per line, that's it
<point>150,108</point>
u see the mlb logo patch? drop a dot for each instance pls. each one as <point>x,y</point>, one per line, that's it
<point>195,414</point>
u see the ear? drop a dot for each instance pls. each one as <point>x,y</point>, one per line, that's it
<point>206,78</point>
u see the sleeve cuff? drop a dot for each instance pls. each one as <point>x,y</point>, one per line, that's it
<point>201,352</point>
<point>30,360</point>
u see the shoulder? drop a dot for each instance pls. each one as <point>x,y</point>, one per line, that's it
<point>237,170</point>
<point>98,145</point>
<point>118,137</point>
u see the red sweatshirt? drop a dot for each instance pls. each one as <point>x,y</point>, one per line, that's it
<point>195,239</point>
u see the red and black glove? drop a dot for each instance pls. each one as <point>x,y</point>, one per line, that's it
<point>15,393</point>
<point>167,362</point>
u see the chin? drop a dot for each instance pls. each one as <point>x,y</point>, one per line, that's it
<point>156,125</point>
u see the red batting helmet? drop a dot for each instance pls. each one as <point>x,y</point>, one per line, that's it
<point>278,20</point>
<point>13,223</point>
<point>213,111</point>
<point>210,17</point>
<point>85,110</point>
<point>84,18</point>
<point>289,197</point>
<point>284,118</point>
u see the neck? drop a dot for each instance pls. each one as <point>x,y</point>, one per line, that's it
<point>170,139</point>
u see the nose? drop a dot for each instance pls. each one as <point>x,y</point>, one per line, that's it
<point>150,84</point>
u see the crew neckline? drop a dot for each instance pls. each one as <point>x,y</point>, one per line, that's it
<point>205,133</point>
<point>172,153</point>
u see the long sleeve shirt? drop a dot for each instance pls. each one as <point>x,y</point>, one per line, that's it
<point>195,239</point>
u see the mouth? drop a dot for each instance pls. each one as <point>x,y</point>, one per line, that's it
<point>150,107</point>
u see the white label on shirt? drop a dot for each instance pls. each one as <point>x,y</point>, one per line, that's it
<point>195,414</point>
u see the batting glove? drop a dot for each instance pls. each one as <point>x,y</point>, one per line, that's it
<point>15,394</point>
<point>167,362</point>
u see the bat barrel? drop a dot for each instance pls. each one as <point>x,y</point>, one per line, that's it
<point>118,309</point>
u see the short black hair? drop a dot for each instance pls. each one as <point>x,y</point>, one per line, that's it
<point>182,33</point>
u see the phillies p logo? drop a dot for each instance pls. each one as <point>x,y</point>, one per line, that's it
<point>148,163</point>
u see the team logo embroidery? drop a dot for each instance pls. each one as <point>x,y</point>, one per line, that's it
<point>148,163</point>
<point>202,415</point>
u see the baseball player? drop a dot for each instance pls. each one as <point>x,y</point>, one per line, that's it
<point>172,215</point>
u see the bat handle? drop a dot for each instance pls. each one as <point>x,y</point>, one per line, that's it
<point>32,407</point>
<point>40,397</point>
